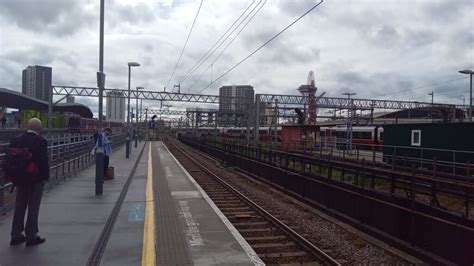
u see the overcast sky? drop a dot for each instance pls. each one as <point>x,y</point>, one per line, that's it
<point>384,49</point>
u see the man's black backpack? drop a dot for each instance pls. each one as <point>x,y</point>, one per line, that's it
<point>19,167</point>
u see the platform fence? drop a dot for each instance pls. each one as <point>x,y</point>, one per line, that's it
<point>68,154</point>
<point>440,162</point>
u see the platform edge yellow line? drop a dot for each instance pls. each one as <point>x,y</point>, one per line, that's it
<point>149,251</point>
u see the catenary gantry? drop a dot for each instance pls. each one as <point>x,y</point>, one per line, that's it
<point>324,102</point>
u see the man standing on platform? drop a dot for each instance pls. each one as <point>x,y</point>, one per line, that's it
<point>29,193</point>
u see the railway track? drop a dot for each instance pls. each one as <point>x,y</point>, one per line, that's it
<point>272,240</point>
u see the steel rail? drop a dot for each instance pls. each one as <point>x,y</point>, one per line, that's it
<point>314,250</point>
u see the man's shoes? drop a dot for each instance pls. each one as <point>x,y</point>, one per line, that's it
<point>17,241</point>
<point>35,241</point>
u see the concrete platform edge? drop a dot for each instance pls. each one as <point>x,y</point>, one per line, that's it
<point>244,244</point>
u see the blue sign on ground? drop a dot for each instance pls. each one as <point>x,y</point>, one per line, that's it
<point>136,212</point>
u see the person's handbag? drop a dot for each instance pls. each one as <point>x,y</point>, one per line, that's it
<point>110,173</point>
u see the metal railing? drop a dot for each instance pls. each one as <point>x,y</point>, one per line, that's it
<point>457,163</point>
<point>68,154</point>
<point>390,177</point>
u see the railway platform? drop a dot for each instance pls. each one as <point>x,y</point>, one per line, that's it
<point>152,213</point>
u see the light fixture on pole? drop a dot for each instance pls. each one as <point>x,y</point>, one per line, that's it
<point>349,119</point>
<point>127,148</point>
<point>136,119</point>
<point>470,73</point>
<point>431,107</point>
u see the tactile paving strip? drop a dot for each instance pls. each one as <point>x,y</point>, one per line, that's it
<point>171,245</point>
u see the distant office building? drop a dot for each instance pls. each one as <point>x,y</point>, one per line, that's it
<point>70,99</point>
<point>115,106</point>
<point>236,99</point>
<point>36,82</point>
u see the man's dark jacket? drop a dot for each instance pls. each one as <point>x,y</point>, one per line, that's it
<point>38,147</point>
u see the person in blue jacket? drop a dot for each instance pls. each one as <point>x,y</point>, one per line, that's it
<point>107,148</point>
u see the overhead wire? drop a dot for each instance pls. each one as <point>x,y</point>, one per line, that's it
<point>263,45</point>
<point>421,87</point>
<point>227,46</point>
<point>185,43</point>
<point>213,49</point>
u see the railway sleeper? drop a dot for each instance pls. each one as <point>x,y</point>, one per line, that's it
<point>240,214</point>
<point>247,219</point>
<point>284,254</point>
<point>278,248</point>
<point>265,239</point>
<point>286,257</point>
<point>274,245</point>
<point>221,197</point>
<point>259,232</point>
<point>248,224</point>
<point>235,208</point>
<point>215,189</point>
<point>265,229</point>
<point>230,204</point>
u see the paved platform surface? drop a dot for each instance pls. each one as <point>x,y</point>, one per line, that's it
<point>165,219</point>
<point>72,217</point>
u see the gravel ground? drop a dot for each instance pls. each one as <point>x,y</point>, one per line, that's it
<point>339,243</point>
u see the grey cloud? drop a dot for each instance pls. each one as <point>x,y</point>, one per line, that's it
<point>294,8</point>
<point>353,78</point>
<point>385,85</point>
<point>63,17</point>
<point>396,86</point>
<point>447,11</point>
<point>421,37</point>
<point>291,54</point>
<point>117,14</point>
<point>9,71</point>
<point>389,37</point>
<point>39,55</point>
<point>461,49</point>
<point>386,36</point>
<point>362,21</point>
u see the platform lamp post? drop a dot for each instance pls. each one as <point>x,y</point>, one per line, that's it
<point>99,155</point>
<point>349,118</point>
<point>470,73</point>
<point>140,127</point>
<point>127,148</point>
<point>431,107</point>
<point>136,119</point>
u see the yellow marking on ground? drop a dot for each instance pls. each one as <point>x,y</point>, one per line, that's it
<point>149,251</point>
